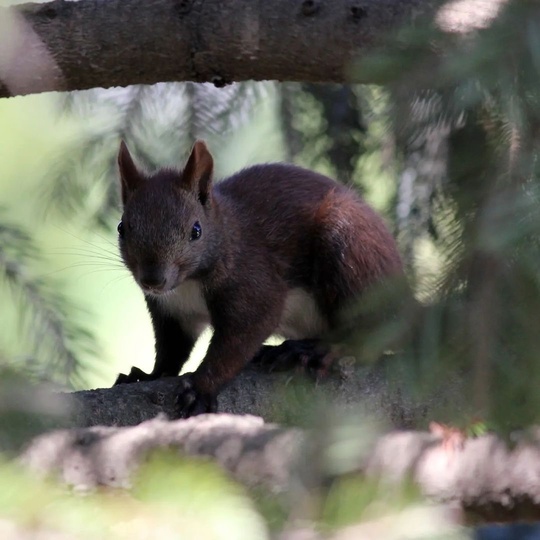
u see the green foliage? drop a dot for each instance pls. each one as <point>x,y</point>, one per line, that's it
<point>200,497</point>
<point>339,130</point>
<point>323,126</point>
<point>46,315</point>
<point>27,409</point>
<point>480,97</point>
<point>353,499</point>
<point>330,491</point>
<point>170,499</point>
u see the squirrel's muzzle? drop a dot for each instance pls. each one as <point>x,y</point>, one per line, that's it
<point>153,280</point>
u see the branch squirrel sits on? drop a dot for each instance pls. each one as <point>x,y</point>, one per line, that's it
<point>273,249</point>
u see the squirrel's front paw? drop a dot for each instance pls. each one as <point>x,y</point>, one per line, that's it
<point>190,401</point>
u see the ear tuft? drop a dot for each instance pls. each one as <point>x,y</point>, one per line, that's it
<point>130,177</point>
<point>197,174</point>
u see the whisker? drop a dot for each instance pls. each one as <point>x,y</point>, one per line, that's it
<point>82,265</point>
<point>81,253</point>
<point>104,238</point>
<point>98,270</point>
<point>95,250</point>
<point>104,262</point>
<point>115,280</point>
<point>87,241</point>
<point>103,265</point>
<point>84,276</point>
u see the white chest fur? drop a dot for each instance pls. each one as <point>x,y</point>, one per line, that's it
<point>187,303</point>
<point>300,318</point>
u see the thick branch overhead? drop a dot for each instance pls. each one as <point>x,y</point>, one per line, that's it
<point>88,44</point>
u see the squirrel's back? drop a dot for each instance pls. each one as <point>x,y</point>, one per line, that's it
<point>262,189</point>
<point>322,231</point>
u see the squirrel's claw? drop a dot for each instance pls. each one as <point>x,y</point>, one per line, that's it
<point>190,401</point>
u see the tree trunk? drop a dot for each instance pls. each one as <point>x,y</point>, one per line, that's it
<point>63,45</point>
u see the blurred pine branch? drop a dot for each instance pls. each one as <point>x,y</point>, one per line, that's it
<point>160,123</point>
<point>48,317</point>
<point>466,114</point>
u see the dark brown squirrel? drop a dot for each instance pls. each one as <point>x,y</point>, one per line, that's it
<point>273,249</point>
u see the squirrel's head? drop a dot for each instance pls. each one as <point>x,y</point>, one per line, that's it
<point>163,234</point>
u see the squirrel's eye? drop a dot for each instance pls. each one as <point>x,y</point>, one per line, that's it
<point>120,230</point>
<point>196,231</point>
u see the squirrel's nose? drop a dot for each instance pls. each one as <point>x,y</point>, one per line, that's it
<point>153,281</point>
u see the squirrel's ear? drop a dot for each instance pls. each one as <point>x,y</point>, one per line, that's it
<point>130,177</point>
<point>197,175</point>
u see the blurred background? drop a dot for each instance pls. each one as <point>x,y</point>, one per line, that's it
<point>59,188</point>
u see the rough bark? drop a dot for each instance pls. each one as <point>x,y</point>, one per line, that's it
<point>88,44</point>
<point>275,397</point>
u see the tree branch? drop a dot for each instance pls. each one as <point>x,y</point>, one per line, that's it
<point>274,397</point>
<point>490,482</point>
<point>88,44</point>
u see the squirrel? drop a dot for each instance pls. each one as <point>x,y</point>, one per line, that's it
<point>273,249</point>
